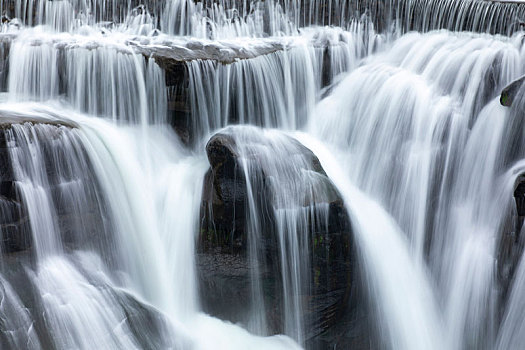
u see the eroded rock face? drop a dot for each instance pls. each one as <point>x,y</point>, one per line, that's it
<point>333,306</point>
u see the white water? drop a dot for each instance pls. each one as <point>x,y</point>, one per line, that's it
<point>435,169</point>
<point>155,215</point>
<point>398,284</point>
<point>233,18</point>
<point>407,126</point>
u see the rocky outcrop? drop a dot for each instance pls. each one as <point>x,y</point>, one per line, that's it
<point>333,306</point>
<point>509,93</point>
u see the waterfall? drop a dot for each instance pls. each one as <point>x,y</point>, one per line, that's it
<point>61,171</point>
<point>397,283</point>
<point>430,155</point>
<point>266,174</point>
<point>83,70</point>
<point>292,80</point>
<point>231,18</point>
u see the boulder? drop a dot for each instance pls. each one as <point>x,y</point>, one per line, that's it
<point>224,197</point>
<point>332,300</point>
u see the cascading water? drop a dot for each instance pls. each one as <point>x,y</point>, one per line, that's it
<point>435,169</point>
<point>232,18</point>
<point>80,270</point>
<point>363,199</point>
<point>106,79</point>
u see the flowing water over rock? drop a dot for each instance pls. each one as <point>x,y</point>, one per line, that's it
<point>283,174</point>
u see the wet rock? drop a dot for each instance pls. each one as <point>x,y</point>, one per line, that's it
<point>512,242</point>
<point>14,226</point>
<point>224,197</point>
<point>148,327</point>
<point>14,223</point>
<point>88,229</point>
<point>332,300</point>
<point>509,93</point>
<point>519,198</point>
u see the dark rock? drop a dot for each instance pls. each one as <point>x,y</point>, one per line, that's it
<point>148,326</point>
<point>333,302</point>
<point>221,153</point>
<point>224,196</point>
<point>519,198</point>
<point>512,242</point>
<point>224,280</point>
<point>89,229</point>
<point>175,70</point>
<point>14,227</point>
<point>509,93</point>
<point>15,234</point>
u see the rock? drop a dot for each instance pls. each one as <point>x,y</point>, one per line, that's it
<point>224,196</point>
<point>147,327</point>
<point>225,271</point>
<point>519,198</point>
<point>221,154</point>
<point>512,243</point>
<point>509,93</point>
<point>14,222</point>
<point>90,228</point>
<point>14,226</point>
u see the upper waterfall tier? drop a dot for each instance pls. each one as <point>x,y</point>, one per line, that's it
<point>231,18</point>
<point>197,85</point>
